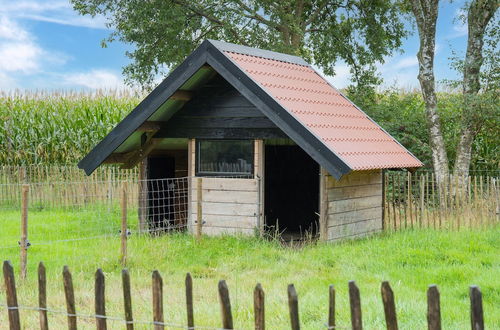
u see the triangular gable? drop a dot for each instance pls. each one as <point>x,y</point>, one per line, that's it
<point>223,58</point>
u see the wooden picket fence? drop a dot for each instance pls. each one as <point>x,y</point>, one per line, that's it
<point>419,201</point>
<point>227,322</point>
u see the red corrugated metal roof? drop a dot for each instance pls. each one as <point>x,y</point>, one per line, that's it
<point>343,128</point>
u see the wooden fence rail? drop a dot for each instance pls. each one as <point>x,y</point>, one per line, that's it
<point>227,321</point>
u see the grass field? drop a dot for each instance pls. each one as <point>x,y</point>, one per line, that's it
<point>410,260</point>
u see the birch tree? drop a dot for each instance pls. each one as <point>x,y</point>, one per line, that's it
<point>426,14</point>
<point>479,15</point>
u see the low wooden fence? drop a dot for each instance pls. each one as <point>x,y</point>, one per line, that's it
<point>227,321</point>
<point>418,201</point>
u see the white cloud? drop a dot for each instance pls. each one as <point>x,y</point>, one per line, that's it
<point>59,12</point>
<point>405,62</point>
<point>10,30</point>
<point>94,79</point>
<point>20,56</point>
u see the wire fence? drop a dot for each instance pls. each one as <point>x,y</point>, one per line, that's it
<point>227,321</point>
<point>64,205</point>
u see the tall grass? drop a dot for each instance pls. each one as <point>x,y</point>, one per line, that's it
<point>57,127</point>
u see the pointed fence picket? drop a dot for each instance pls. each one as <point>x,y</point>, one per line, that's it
<point>227,321</point>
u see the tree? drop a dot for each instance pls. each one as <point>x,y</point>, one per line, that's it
<point>163,32</point>
<point>480,12</point>
<point>426,14</point>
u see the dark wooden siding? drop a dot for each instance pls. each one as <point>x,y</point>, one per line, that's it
<point>219,111</point>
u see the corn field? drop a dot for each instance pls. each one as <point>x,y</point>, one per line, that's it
<point>57,128</point>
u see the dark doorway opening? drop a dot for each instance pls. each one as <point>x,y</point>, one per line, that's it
<point>291,192</point>
<point>161,192</point>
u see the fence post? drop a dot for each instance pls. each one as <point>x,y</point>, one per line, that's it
<point>189,301</point>
<point>476,308</point>
<point>225,305</point>
<point>127,299</point>
<point>10,292</point>
<point>331,307</point>
<point>123,235</point>
<point>259,307</point>
<point>100,305</point>
<point>199,212</point>
<point>158,301</point>
<point>433,308</point>
<point>23,243</point>
<point>293,305</point>
<point>70,298</point>
<point>355,303</point>
<point>143,194</point>
<point>389,306</point>
<point>42,296</point>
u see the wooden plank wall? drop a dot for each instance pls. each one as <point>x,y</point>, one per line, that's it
<point>229,205</point>
<point>354,204</point>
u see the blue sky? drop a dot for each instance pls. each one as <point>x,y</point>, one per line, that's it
<point>46,45</point>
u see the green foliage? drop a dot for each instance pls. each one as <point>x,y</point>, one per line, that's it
<point>61,129</point>
<point>163,32</point>
<point>57,128</point>
<point>402,114</point>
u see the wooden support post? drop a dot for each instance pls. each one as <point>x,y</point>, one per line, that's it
<point>100,306</point>
<point>143,196</point>
<point>293,306</point>
<point>225,305</point>
<point>331,307</point>
<point>123,235</point>
<point>127,299</point>
<point>42,296</point>
<point>355,303</point>
<point>10,292</point>
<point>259,308</point>
<point>433,308</point>
<point>70,298</point>
<point>409,198</point>
<point>199,208</point>
<point>323,205</point>
<point>389,306</point>
<point>23,243</point>
<point>384,201</point>
<point>157,301</point>
<point>476,308</point>
<point>422,200</point>
<point>189,301</point>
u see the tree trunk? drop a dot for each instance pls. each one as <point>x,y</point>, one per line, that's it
<point>426,13</point>
<point>479,15</point>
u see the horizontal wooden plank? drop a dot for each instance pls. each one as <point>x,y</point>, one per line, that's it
<point>211,220</point>
<point>216,231</point>
<point>356,178</point>
<point>211,208</point>
<point>219,122</point>
<point>221,133</point>
<point>354,229</point>
<point>354,204</point>
<point>224,196</point>
<point>229,184</point>
<point>234,111</point>
<point>339,193</point>
<point>358,215</point>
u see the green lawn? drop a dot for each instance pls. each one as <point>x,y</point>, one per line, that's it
<point>410,260</point>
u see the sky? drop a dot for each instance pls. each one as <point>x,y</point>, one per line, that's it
<point>45,45</point>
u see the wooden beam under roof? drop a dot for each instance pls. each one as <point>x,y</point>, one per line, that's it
<point>137,156</point>
<point>150,126</point>
<point>181,95</point>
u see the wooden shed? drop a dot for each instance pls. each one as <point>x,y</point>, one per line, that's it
<point>275,144</point>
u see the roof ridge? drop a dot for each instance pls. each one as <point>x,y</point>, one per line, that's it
<point>257,52</point>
